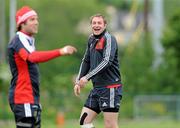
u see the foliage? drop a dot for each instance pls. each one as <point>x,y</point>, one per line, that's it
<point>137,72</point>
<point>171,36</point>
<point>4,77</point>
<point>136,66</point>
<point>4,82</point>
<point>123,4</point>
<point>170,41</point>
<point>169,7</point>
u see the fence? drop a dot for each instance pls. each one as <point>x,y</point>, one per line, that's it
<point>157,107</point>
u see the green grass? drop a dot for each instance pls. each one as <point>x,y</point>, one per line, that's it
<point>99,124</point>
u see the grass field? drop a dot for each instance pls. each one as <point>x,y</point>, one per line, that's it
<point>99,124</point>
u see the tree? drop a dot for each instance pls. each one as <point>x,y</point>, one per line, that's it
<point>136,65</point>
<point>170,41</point>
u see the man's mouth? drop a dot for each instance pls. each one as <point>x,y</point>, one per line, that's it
<point>97,29</point>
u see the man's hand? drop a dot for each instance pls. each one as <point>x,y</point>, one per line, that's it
<point>67,50</point>
<point>77,90</point>
<point>83,81</point>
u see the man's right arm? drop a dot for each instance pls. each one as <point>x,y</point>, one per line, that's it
<point>85,65</point>
<point>43,56</point>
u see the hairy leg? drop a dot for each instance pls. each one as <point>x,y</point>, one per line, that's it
<point>111,119</point>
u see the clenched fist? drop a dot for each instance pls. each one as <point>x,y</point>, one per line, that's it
<point>67,50</point>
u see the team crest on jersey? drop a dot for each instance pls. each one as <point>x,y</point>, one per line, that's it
<point>100,44</point>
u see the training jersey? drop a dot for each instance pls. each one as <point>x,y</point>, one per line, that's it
<point>100,63</point>
<point>23,61</point>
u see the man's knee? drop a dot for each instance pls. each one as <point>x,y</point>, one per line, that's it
<point>24,122</point>
<point>24,125</point>
<point>28,122</point>
<point>83,117</point>
<point>82,120</point>
<point>109,124</point>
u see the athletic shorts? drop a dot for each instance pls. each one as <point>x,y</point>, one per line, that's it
<point>27,115</point>
<point>104,99</point>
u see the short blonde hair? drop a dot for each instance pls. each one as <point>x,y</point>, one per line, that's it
<point>98,15</point>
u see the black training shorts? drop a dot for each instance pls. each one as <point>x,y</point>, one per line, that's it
<point>104,99</point>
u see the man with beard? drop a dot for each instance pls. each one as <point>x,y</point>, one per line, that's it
<point>24,95</point>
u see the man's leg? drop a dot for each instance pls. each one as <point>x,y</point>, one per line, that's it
<point>28,122</point>
<point>28,116</point>
<point>110,119</point>
<point>25,122</point>
<point>87,117</point>
<point>110,104</point>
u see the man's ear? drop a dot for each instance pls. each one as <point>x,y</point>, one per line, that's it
<point>105,25</point>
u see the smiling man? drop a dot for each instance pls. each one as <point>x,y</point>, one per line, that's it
<point>24,95</point>
<point>100,65</point>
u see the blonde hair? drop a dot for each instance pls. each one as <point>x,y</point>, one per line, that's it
<point>98,15</point>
